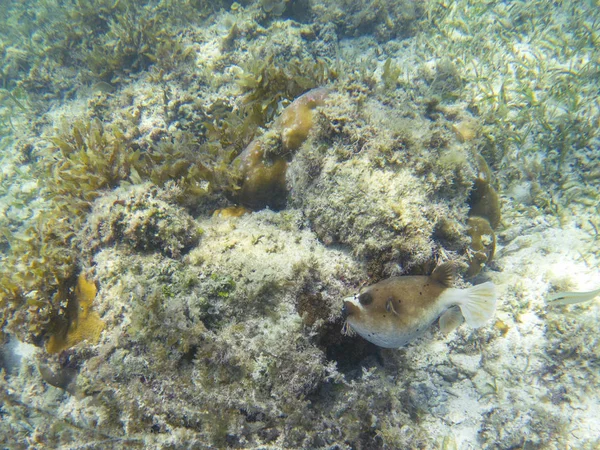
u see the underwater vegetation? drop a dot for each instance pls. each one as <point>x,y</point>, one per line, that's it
<point>88,156</point>
<point>384,19</point>
<point>100,40</point>
<point>265,84</point>
<point>256,177</point>
<point>483,200</point>
<point>82,161</point>
<point>189,190</point>
<point>543,99</point>
<point>483,244</point>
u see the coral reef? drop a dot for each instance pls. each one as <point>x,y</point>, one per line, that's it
<point>84,159</point>
<point>217,327</point>
<point>234,283</point>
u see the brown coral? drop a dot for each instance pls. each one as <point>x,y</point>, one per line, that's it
<point>296,120</point>
<point>484,218</point>
<point>484,200</point>
<point>263,164</point>
<point>483,244</point>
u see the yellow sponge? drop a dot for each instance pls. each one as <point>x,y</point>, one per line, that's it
<point>84,324</point>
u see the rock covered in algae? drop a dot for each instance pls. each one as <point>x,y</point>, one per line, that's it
<point>386,183</point>
<point>140,218</point>
<point>226,325</point>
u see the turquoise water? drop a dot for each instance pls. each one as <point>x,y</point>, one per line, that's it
<point>190,190</point>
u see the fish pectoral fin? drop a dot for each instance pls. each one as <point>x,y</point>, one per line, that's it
<point>347,329</point>
<point>451,320</point>
<point>389,307</point>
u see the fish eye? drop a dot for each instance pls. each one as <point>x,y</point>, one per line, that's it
<point>366,298</point>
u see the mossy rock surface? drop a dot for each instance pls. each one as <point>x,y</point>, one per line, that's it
<point>140,218</point>
<point>388,185</point>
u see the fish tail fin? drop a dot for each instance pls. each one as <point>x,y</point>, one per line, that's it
<point>478,304</point>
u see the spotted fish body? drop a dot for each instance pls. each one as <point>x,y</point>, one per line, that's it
<point>396,311</point>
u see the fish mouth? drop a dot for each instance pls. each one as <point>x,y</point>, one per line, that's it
<point>348,307</point>
<point>347,310</point>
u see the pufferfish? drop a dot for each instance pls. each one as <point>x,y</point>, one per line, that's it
<point>395,311</point>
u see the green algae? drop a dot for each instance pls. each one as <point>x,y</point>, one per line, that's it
<point>209,334</point>
<point>266,82</point>
<point>83,161</point>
